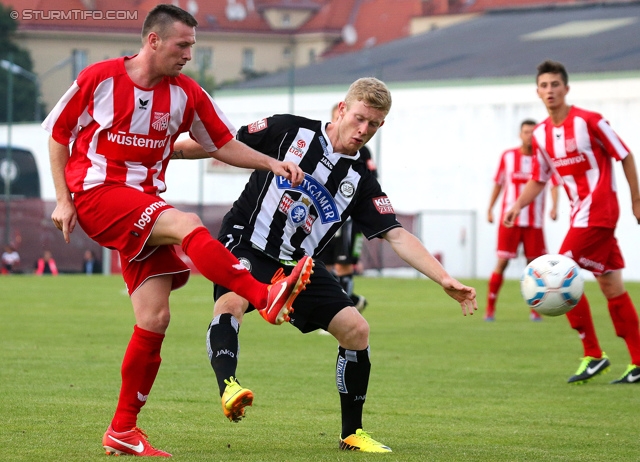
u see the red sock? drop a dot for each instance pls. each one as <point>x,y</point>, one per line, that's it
<point>495,282</point>
<point>139,369</point>
<point>580,320</point>
<point>625,320</point>
<point>220,266</point>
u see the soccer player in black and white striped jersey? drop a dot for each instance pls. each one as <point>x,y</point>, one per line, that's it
<point>272,225</point>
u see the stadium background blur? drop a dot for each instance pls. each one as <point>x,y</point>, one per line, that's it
<point>461,74</point>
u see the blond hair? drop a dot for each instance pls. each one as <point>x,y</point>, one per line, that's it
<point>372,92</point>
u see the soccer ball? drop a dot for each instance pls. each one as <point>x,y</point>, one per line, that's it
<point>552,284</point>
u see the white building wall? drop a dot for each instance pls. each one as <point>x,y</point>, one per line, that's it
<point>438,150</point>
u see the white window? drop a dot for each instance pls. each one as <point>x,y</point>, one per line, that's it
<point>79,61</point>
<point>287,54</point>
<point>204,58</point>
<point>247,59</point>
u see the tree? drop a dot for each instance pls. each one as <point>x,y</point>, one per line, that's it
<point>25,91</point>
<point>207,82</point>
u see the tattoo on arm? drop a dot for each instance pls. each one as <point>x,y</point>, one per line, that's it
<point>177,154</point>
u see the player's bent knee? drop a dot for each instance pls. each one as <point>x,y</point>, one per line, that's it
<point>362,329</point>
<point>611,284</point>
<point>173,226</point>
<point>157,321</point>
<point>231,303</point>
<point>163,319</point>
<point>352,331</point>
<point>188,222</point>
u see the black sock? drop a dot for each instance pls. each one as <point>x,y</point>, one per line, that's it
<point>346,282</point>
<point>352,379</point>
<point>223,347</point>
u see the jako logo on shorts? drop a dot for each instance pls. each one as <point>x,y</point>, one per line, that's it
<point>145,218</point>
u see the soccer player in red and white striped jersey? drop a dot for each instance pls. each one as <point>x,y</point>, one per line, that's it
<point>512,175</point>
<point>581,146</point>
<point>121,118</point>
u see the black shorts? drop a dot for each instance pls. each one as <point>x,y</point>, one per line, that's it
<point>314,308</point>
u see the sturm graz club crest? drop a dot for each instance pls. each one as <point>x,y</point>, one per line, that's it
<point>298,212</point>
<point>245,262</point>
<point>347,189</point>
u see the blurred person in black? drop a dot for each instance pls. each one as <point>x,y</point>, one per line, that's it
<point>90,263</point>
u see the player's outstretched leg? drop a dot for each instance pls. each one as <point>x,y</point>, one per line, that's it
<point>361,441</point>
<point>283,292</point>
<point>130,443</point>
<point>234,399</point>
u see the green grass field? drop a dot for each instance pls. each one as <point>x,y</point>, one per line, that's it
<point>443,387</point>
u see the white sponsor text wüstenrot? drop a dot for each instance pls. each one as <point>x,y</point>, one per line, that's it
<point>133,140</point>
<point>564,161</point>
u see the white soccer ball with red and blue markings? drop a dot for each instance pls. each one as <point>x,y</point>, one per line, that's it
<point>552,284</point>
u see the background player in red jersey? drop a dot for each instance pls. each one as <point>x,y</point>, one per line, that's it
<point>513,173</point>
<point>122,117</point>
<point>581,146</point>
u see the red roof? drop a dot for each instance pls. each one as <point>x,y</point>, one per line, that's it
<point>229,16</point>
<point>374,21</point>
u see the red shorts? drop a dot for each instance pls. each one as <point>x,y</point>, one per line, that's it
<point>122,218</point>
<point>510,238</point>
<point>594,249</point>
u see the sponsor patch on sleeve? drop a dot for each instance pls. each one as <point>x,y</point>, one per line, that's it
<point>257,126</point>
<point>383,205</point>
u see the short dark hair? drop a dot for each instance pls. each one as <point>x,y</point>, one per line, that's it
<point>528,122</point>
<point>553,67</point>
<point>162,16</point>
